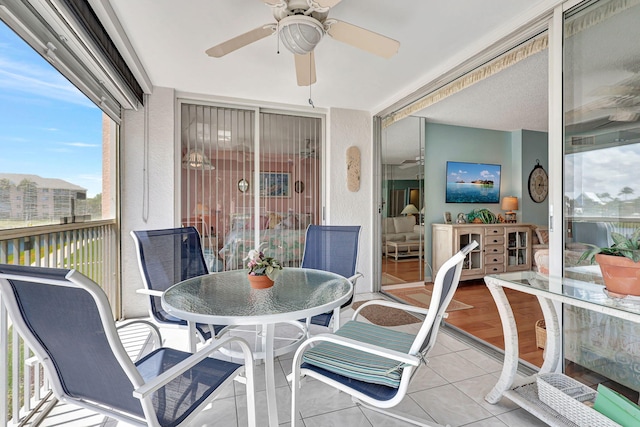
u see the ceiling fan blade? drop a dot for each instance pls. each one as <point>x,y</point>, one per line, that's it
<point>241,41</point>
<point>326,3</point>
<point>363,39</point>
<point>306,69</point>
<point>271,2</point>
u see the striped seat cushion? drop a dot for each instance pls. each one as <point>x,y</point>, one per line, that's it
<point>357,364</point>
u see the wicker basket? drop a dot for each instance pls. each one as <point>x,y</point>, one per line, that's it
<point>568,397</point>
<point>541,334</point>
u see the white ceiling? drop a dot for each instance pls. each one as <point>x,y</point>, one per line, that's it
<point>170,39</point>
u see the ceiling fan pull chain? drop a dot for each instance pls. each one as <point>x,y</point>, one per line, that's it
<point>278,42</point>
<point>310,84</point>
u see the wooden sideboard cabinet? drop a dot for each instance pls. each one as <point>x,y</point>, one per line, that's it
<point>501,247</point>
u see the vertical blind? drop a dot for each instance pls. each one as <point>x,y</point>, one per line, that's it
<point>244,191</point>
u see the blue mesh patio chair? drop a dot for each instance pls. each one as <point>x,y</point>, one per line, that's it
<point>372,363</point>
<point>66,319</point>
<point>166,257</point>
<point>332,248</point>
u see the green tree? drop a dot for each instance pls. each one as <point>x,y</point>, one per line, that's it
<point>94,206</point>
<point>604,196</point>
<point>626,191</point>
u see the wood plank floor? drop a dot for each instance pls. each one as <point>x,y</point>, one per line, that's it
<point>483,320</point>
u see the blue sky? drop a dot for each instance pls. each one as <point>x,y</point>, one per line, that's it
<point>47,126</point>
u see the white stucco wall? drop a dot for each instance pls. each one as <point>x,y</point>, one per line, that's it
<point>345,128</point>
<point>161,109</point>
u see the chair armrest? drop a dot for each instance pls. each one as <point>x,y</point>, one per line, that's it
<point>358,345</point>
<point>353,279</point>
<point>150,325</point>
<point>152,342</point>
<point>391,304</point>
<point>164,378</point>
<point>150,292</point>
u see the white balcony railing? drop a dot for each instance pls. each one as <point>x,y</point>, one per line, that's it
<point>90,248</point>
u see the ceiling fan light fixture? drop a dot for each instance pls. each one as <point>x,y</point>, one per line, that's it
<point>300,34</point>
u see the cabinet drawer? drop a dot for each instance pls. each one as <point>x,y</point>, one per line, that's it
<point>493,249</point>
<point>494,240</point>
<point>494,269</point>
<point>494,231</point>
<point>493,259</point>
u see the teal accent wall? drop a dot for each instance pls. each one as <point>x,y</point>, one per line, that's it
<point>535,146</point>
<point>463,144</point>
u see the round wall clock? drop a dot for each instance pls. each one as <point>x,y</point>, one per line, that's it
<point>538,183</point>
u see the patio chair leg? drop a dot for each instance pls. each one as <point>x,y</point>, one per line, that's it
<point>404,417</point>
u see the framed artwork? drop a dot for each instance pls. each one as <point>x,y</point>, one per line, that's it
<point>275,184</point>
<point>472,183</point>
<point>447,217</point>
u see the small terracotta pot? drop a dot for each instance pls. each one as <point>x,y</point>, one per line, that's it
<point>260,282</point>
<point>621,275</point>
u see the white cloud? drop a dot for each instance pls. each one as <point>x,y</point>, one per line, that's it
<point>40,80</point>
<point>80,144</point>
<point>604,171</point>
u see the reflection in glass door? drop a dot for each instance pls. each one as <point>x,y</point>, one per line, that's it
<point>403,203</point>
<point>601,176</point>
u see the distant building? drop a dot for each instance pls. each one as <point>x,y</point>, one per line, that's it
<point>27,197</point>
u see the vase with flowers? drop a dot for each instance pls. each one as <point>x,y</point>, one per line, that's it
<point>263,270</point>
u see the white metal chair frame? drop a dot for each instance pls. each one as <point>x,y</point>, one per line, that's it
<point>335,319</point>
<point>142,390</point>
<point>411,360</point>
<point>149,292</point>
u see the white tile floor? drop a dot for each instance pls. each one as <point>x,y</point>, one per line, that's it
<point>449,390</point>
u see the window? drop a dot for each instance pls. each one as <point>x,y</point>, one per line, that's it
<point>54,141</point>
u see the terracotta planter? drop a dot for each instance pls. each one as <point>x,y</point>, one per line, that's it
<point>260,282</point>
<point>621,275</point>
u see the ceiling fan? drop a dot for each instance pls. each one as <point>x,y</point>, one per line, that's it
<point>300,25</point>
<point>309,151</point>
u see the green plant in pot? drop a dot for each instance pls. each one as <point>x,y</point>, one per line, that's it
<point>619,263</point>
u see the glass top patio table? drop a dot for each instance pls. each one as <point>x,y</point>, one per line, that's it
<point>549,290</point>
<point>578,293</point>
<point>227,298</point>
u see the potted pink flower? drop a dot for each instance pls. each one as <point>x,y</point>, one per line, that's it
<point>263,270</point>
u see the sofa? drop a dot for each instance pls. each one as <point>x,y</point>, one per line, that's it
<point>401,229</point>
<point>582,235</point>
<point>282,236</point>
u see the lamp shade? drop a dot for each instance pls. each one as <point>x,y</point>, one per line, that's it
<point>196,159</point>
<point>409,210</point>
<point>509,203</point>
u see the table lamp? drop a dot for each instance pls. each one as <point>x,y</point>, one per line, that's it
<point>410,209</point>
<point>510,203</point>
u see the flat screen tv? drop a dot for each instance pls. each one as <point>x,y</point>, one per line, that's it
<point>472,183</point>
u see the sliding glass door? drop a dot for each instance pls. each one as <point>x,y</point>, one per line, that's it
<point>250,179</point>
<point>601,175</point>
